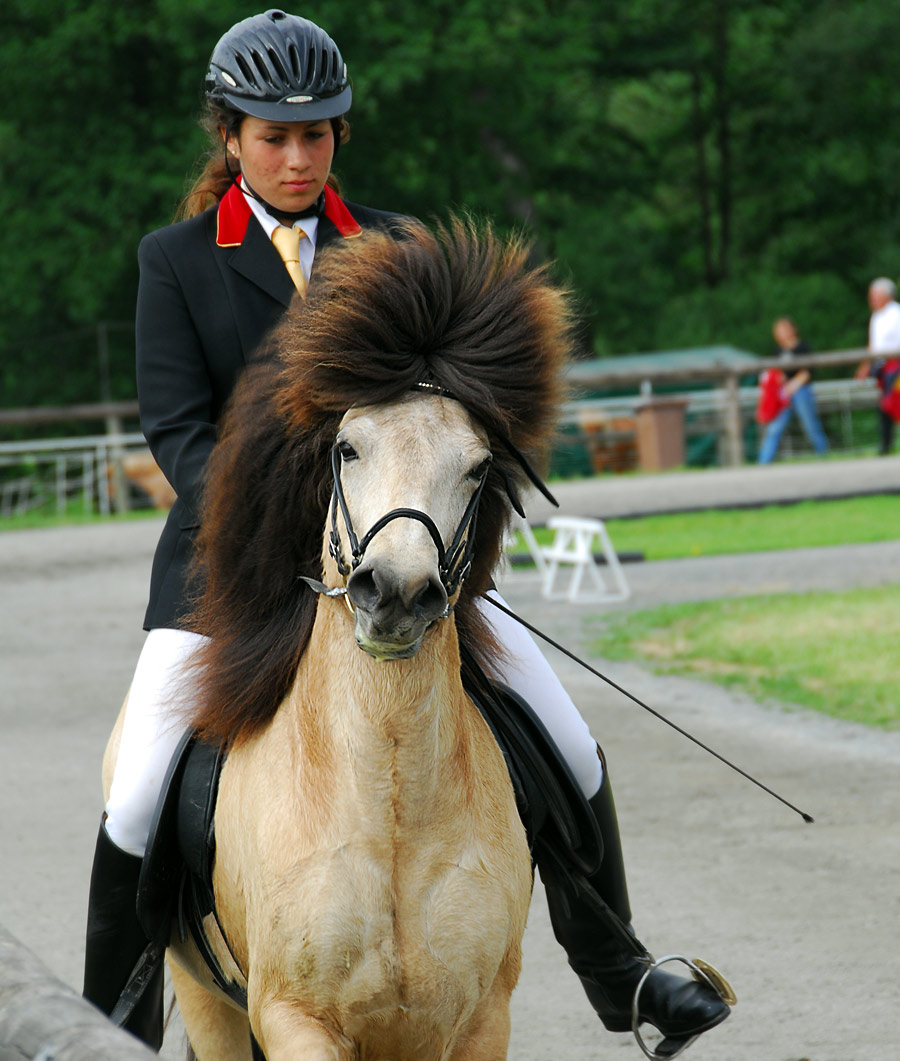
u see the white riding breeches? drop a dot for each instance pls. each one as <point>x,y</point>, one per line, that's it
<point>162,689</point>
<point>529,674</point>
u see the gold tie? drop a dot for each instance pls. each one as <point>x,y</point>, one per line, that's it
<point>287,243</point>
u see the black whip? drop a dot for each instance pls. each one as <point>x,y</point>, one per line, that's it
<point>806,817</point>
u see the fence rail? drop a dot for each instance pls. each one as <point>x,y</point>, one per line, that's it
<point>93,466</point>
<point>95,462</point>
<point>56,414</point>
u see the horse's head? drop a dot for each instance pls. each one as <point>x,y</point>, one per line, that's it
<point>458,307</point>
<point>408,478</point>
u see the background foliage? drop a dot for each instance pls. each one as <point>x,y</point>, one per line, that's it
<point>695,167</point>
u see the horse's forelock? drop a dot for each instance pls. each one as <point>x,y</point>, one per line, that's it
<point>457,306</point>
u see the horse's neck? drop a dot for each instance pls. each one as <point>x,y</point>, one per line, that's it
<point>409,717</point>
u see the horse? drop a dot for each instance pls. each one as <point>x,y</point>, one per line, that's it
<point>372,875</point>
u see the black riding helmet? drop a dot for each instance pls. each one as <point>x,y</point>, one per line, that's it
<point>279,67</point>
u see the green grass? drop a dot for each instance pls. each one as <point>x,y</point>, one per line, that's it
<point>670,536</point>
<point>832,652</point>
<point>719,531</point>
<point>73,516</point>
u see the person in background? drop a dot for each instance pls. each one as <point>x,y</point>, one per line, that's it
<point>795,395</point>
<point>884,339</point>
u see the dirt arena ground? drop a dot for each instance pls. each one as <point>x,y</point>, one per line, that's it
<point>803,919</point>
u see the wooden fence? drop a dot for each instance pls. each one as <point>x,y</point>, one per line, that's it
<point>41,1019</point>
<point>102,458</point>
<point>724,408</point>
<point>584,376</point>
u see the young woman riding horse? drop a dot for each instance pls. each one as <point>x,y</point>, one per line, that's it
<point>211,288</point>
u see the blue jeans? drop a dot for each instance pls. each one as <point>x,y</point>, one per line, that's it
<point>804,405</point>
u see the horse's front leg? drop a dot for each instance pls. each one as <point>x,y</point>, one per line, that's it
<point>285,1033</point>
<point>486,1036</point>
<point>215,1030</point>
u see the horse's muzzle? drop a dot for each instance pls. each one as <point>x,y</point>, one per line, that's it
<point>391,613</point>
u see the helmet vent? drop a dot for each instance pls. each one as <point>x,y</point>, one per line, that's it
<point>280,73</point>
<point>264,72</point>
<point>246,70</point>
<point>294,57</point>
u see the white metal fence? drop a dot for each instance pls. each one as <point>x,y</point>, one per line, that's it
<point>50,473</point>
<point>53,474</point>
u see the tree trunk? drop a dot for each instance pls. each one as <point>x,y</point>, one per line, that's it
<point>703,196</point>
<point>723,134</point>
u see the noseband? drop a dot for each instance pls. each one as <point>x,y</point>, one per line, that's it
<point>454,562</point>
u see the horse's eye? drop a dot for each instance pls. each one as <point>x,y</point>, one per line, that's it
<point>347,452</point>
<point>481,470</point>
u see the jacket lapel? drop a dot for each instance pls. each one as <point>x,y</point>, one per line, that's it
<point>252,254</point>
<point>336,223</point>
<point>326,234</point>
<point>258,261</point>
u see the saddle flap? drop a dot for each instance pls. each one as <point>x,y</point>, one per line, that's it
<point>180,834</point>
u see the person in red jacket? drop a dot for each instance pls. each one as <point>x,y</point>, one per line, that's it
<point>786,391</point>
<point>211,287</point>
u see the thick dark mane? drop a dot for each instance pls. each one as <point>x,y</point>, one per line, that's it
<point>459,308</point>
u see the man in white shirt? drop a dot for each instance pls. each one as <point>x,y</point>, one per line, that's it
<point>884,339</point>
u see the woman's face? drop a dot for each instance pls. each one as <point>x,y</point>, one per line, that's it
<point>785,335</point>
<point>286,163</point>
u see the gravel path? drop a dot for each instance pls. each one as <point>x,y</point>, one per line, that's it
<point>802,918</point>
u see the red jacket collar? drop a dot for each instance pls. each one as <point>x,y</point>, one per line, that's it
<point>234,215</point>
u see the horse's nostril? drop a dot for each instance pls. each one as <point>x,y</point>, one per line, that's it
<point>363,591</point>
<point>388,598</point>
<point>431,601</point>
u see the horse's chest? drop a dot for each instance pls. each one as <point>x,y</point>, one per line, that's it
<point>377,936</point>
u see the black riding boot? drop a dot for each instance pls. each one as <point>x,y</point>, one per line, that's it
<point>115,941</point>
<point>609,967</point>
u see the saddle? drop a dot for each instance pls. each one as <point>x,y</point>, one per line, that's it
<point>175,892</point>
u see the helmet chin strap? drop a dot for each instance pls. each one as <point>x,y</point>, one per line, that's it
<point>314,209</point>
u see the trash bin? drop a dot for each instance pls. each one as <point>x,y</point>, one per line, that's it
<point>660,433</point>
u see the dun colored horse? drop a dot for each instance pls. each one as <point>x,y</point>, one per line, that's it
<point>372,876</point>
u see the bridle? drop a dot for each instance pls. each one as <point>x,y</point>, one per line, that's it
<point>454,561</point>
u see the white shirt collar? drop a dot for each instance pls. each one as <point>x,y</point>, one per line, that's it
<point>309,225</point>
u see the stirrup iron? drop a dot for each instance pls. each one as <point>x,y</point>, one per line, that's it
<point>703,973</point>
